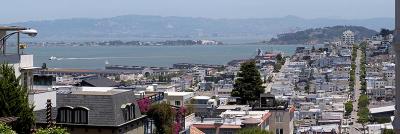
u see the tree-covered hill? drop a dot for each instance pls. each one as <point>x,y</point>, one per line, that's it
<point>321,35</point>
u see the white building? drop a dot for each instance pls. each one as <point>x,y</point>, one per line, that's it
<point>348,37</point>
<point>178,98</point>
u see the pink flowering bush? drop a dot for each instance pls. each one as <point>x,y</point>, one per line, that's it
<point>176,127</point>
<point>144,104</point>
<point>179,116</point>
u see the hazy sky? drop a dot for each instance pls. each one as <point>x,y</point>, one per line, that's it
<point>24,10</point>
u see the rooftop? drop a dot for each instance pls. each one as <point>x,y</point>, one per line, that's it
<point>322,128</point>
<point>178,93</point>
<point>201,97</point>
<point>228,107</point>
<point>98,91</point>
<point>382,109</point>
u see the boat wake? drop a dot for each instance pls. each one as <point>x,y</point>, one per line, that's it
<point>106,58</point>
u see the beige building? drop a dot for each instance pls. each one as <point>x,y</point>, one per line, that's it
<point>281,121</point>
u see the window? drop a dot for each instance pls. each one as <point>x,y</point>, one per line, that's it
<point>177,103</point>
<point>65,115</point>
<point>279,131</point>
<point>77,115</point>
<point>279,116</point>
<point>81,115</point>
<point>132,112</point>
<point>128,111</point>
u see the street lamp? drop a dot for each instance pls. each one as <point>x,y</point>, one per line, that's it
<point>29,32</point>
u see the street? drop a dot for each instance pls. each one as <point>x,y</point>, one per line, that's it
<point>354,129</point>
<point>269,85</point>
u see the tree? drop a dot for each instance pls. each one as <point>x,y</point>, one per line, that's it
<point>253,131</point>
<point>277,67</point>
<point>248,85</point>
<point>4,129</point>
<point>385,32</point>
<point>52,130</point>
<point>279,58</point>
<point>163,115</point>
<point>307,87</point>
<point>363,101</point>
<point>14,100</point>
<point>313,49</point>
<point>388,131</point>
<point>269,80</point>
<point>363,116</point>
<point>348,106</point>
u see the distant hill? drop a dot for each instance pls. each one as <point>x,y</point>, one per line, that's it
<point>141,27</point>
<point>320,35</point>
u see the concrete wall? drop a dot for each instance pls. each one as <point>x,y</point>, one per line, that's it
<point>39,100</point>
<point>171,100</point>
<point>26,61</point>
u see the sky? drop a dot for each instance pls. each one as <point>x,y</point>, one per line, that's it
<point>27,10</point>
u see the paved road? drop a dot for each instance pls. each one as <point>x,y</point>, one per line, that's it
<point>269,85</point>
<point>354,129</point>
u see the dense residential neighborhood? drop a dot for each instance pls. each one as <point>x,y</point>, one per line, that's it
<point>177,76</point>
<point>346,86</point>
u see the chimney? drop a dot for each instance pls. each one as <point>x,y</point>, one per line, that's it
<point>202,118</point>
<point>48,114</point>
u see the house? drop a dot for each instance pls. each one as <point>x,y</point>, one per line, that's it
<point>96,110</point>
<point>384,111</point>
<point>282,115</point>
<point>203,105</point>
<point>178,98</point>
<point>230,122</point>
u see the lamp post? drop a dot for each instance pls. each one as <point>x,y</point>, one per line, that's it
<point>396,46</point>
<point>29,32</point>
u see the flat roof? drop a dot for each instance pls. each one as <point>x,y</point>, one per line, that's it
<point>202,97</point>
<point>382,109</point>
<point>226,107</point>
<point>98,91</point>
<point>179,93</point>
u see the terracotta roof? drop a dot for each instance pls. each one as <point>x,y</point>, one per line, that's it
<point>292,109</point>
<point>194,130</point>
<point>202,126</point>
<point>231,126</point>
<point>251,121</point>
<point>265,118</point>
